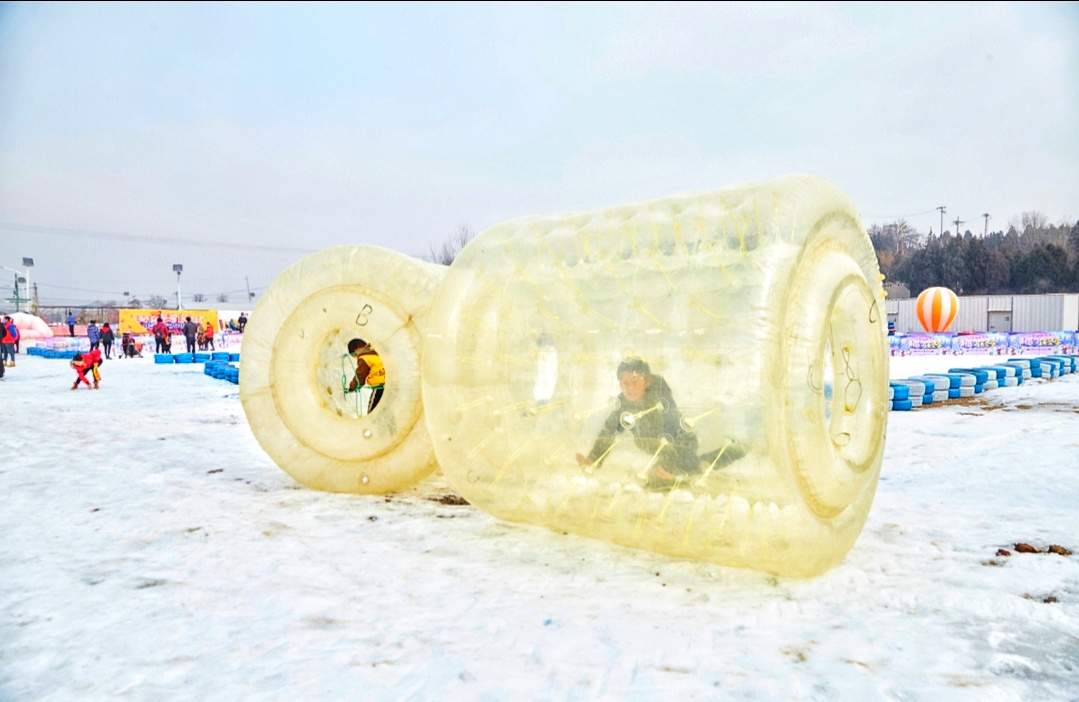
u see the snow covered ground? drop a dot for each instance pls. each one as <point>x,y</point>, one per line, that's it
<point>151,550</point>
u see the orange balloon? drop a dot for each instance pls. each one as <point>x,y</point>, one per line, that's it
<point>936,308</point>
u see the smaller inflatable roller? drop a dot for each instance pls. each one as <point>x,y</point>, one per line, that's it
<point>330,370</point>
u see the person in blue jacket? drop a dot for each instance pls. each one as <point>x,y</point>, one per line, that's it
<point>71,323</point>
<point>94,334</point>
<point>10,337</point>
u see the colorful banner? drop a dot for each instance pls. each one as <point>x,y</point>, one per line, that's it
<point>982,343</point>
<point>920,344</point>
<point>1035,342</point>
<point>142,321</point>
<point>991,343</point>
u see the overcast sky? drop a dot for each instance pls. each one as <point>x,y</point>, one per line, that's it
<point>305,126</point>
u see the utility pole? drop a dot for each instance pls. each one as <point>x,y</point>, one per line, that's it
<point>33,300</point>
<point>986,232</point>
<point>942,210</point>
<point>957,223</point>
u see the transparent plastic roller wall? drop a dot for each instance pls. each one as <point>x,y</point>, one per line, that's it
<point>747,424</point>
<point>296,370</point>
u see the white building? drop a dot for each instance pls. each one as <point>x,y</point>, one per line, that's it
<point>1000,313</point>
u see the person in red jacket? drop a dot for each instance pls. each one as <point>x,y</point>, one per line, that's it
<point>208,336</point>
<point>161,335</point>
<point>10,335</point>
<point>87,362</point>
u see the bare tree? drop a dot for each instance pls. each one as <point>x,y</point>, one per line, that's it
<point>157,302</point>
<point>198,297</point>
<point>446,253</point>
<point>222,297</point>
<point>905,235</point>
<point>1033,219</point>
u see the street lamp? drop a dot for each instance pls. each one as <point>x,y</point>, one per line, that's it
<point>28,263</point>
<point>178,268</point>
<point>19,278</point>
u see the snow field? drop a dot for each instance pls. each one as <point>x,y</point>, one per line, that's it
<point>151,550</point>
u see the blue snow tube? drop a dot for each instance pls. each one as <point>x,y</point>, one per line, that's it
<point>902,405</point>
<point>234,357</point>
<point>931,384</point>
<point>220,356</point>
<point>954,380</point>
<point>1018,371</point>
<point>980,374</point>
<point>900,392</point>
<point>184,357</point>
<point>163,358</point>
<point>202,357</point>
<point>1055,364</point>
<point>954,393</point>
<point>1067,361</point>
<point>1064,364</point>
<point>979,379</point>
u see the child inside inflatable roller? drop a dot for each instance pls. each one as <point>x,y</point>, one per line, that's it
<point>369,380</point>
<point>646,408</point>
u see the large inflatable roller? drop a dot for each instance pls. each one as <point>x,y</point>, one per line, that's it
<point>704,376</point>
<point>322,423</point>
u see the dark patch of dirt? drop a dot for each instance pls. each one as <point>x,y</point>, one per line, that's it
<point>1025,548</point>
<point>1047,599</point>
<point>215,470</point>
<point>145,583</point>
<point>451,499</point>
<point>1059,550</point>
<point>1003,552</point>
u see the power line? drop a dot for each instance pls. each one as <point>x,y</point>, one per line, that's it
<point>901,216</point>
<point>142,239</point>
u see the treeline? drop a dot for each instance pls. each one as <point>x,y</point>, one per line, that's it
<point>1032,256</point>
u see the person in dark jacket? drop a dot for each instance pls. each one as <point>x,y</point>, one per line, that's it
<point>191,332</point>
<point>647,410</point>
<point>242,321</point>
<point>107,337</point>
<point>71,324</point>
<point>94,334</point>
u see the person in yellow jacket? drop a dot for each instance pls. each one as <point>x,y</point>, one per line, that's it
<point>370,372</point>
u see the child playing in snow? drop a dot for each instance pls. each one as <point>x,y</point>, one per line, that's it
<point>370,374</point>
<point>647,410</point>
<point>83,362</point>
<point>129,347</point>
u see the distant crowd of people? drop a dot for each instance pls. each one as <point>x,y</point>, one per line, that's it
<point>87,365</point>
